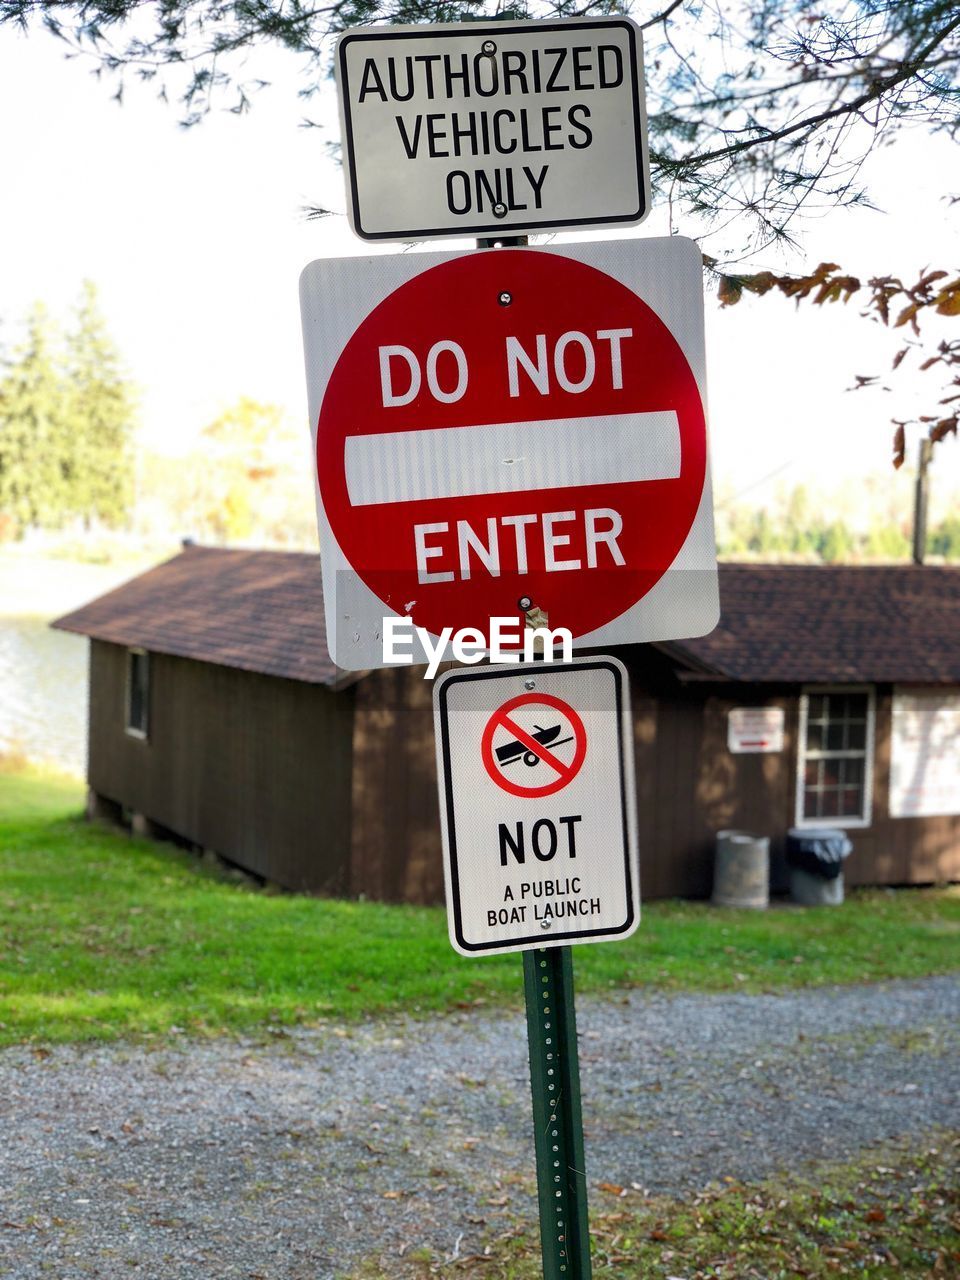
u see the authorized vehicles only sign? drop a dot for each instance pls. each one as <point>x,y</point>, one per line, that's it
<point>509,423</point>
<point>537,805</point>
<point>496,128</point>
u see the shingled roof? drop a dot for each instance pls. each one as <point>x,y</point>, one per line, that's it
<point>263,611</point>
<point>256,610</point>
<point>822,623</point>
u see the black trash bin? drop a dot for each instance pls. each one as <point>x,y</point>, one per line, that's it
<point>815,859</point>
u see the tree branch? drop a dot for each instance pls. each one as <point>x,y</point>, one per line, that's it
<point>877,91</point>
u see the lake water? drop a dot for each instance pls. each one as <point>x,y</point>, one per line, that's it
<point>43,693</point>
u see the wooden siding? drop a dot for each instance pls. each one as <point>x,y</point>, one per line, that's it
<point>689,787</point>
<point>254,767</point>
<point>336,792</point>
<point>396,855</point>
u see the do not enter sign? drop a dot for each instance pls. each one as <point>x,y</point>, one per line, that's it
<point>512,423</point>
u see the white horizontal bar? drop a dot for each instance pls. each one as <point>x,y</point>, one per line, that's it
<point>512,457</point>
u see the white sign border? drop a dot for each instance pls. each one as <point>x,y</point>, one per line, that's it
<point>353,287</point>
<point>628,801</point>
<point>494,228</point>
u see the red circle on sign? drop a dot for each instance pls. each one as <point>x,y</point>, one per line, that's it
<point>501,719</point>
<point>567,563</point>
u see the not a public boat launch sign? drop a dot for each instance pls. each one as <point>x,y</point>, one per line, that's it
<point>537,805</point>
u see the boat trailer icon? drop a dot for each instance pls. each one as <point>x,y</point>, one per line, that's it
<point>514,750</point>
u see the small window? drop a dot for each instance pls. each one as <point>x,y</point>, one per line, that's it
<point>138,693</point>
<point>835,758</point>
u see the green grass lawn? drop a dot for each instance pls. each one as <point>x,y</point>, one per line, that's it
<point>104,936</point>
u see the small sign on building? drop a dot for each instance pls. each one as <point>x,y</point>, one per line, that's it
<point>493,128</point>
<point>925,754</point>
<point>537,805</point>
<point>755,730</point>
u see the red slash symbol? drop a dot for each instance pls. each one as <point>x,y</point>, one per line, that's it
<point>534,748</point>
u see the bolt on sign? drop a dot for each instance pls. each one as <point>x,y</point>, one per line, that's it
<point>537,805</point>
<point>515,422</point>
<point>499,128</point>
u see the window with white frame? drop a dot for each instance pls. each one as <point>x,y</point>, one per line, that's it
<point>835,757</point>
<point>138,693</point>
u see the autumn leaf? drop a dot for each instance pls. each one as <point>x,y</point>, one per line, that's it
<point>947,301</point>
<point>908,316</point>
<point>899,447</point>
<point>839,287</point>
<point>802,286</point>
<point>916,302</point>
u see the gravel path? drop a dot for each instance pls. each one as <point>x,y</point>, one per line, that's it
<point>295,1159</point>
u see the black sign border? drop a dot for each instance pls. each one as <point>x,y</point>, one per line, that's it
<point>494,228</point>
<point>534,940</point>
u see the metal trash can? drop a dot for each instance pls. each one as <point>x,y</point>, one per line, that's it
<point>815,860</point>
<point>741,870</point>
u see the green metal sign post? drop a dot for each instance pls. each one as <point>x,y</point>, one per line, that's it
<point>547,971</point>
<point>557,1120</point>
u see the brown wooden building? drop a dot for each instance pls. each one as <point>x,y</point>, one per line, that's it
<point>216,714</point>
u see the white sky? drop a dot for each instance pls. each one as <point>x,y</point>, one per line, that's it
<point>196,240</point>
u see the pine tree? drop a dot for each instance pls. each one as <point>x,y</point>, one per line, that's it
<point>67,416</point>
<point>100,408</point>
<point>34,469</point>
